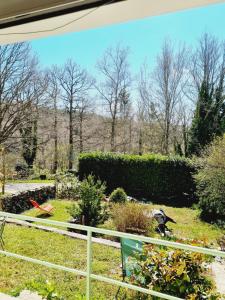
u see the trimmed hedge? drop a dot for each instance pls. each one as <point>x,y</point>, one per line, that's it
<point>20,202</point>
<point>157,178</point>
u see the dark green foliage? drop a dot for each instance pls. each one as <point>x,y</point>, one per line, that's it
<point>22,170</point>
<point>29,142</point>
<point>209,119</point>
<point>153,177</point>
<point>89,210</point>
<point>211,183</point>
<point>118,196</point>
<point>175,272</point>
<point>19,203</point>
<point>178,149</point>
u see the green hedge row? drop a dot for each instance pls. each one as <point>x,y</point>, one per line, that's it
<point>156,178</point>
<point>20,202</point>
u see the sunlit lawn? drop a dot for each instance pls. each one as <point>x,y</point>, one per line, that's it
<point>59,250</point>
<point>14,181</point>
<point>72,252</point>
<point>188,226</point>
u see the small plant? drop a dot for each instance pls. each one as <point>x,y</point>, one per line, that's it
<point>67,186</point>
<point>175,272</point>
<point>118,196</point>
<point>132,217</point>
<point>221,242</point>
<point>89,210</point>
<point>44,288</point>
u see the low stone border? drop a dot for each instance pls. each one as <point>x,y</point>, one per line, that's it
<point>64,232</point>
<point>20,202</point>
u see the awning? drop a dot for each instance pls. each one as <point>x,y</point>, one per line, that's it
<point>22,20</point>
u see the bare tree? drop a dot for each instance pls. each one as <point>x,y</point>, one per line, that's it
<point>83,113</point>
<point>75,82</point>
<point>168,84</point>
<point>148,133</point>
<point>54,96</point>
<point>114,69</point>
<point>34,92</point>
<point>208,64</point>
<point>16,68</point>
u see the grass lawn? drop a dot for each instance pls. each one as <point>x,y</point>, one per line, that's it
<point>72,252</point>
<point>30,181</point>
<point>60,250</point>
<point>188,223</point>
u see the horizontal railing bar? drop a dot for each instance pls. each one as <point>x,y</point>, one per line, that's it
<point>43,263</point>
<point>92,276</point>
<point>166,243</point>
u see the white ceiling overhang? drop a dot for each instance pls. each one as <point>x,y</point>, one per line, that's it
<point>22,20</point>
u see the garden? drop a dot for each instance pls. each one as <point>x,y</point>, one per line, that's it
<point>190,192</point>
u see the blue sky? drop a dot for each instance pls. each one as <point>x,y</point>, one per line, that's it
<point>144,37</point>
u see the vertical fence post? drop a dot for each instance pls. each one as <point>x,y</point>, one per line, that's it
<point>89,260</point>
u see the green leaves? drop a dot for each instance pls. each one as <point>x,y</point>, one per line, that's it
<point>179,273</point>
<point>153,177</point>
<point>211,183</point>
<point>89,209</point>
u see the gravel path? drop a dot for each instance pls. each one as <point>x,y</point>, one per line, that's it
<point>218,270</point>
<point>24,295</point>
<point>15,188</point>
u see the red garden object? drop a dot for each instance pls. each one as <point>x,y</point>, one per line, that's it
<point>47,208</point>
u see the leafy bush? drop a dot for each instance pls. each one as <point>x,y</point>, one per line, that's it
<point>131,217</point>
<point>42,287</point>
<point>211,182</point>
<point>67,186</point>
<point>175,272</point>
<point>118,196</point>
<point>156,178</point>
<point>89,210</point>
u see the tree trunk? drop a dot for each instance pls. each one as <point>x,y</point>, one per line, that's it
<point>81,134</point>
<point>70,165</point>
<point>112,142</point>
<point>140,142</point>
<point>55,166</point>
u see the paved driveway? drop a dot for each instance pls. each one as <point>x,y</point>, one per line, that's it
<point>15,188</point>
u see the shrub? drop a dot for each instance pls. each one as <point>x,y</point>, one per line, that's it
<point>89,210</point>
<point>42,287</point>
<point>132,217</point>
<point>118,196</point>
<point>67,186</point>
<point>175,272</point>
<point>211,182</point>
<point>156,178</point>
<point>22,170</point>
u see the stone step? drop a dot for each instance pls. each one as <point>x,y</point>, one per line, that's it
<point>27,295</point>
<point>6,297</point>
<point>24,295</point>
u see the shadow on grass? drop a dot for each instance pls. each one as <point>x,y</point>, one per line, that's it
<point>43,216</point>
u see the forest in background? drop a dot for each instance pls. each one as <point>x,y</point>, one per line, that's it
<point>49,116</point>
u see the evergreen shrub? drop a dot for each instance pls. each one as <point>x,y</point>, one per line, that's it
<point>155,178</point>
